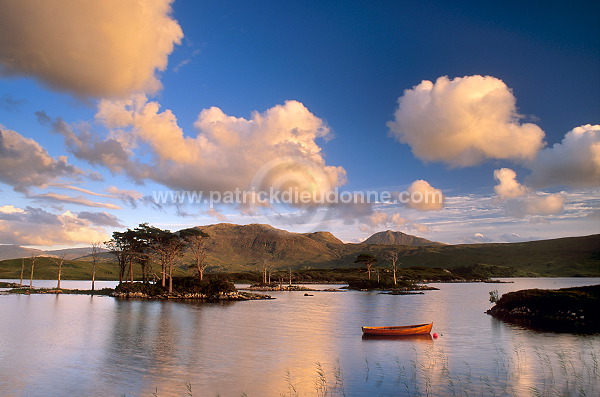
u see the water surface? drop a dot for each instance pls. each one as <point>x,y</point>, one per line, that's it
<point>77,345</point>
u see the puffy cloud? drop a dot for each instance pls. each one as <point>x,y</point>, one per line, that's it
<point>477,238</point>
<point>508,186</point>
<point>377,218</point>
<point>35,226</point>
<point>10,209</point>
<point>464,121</point>
<point>424,197</point>
<point>24,163</point>
<point>276,148</point>
<point>380,219</point>
<point>516,238</point>
<point>519,201</point>
<point>574,162</point>
<point>103,48</point>
<point>538,204</point>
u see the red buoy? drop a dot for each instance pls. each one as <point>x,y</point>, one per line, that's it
<point>435,335</point>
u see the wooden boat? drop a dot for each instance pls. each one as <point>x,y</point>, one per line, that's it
<point>418,329</point>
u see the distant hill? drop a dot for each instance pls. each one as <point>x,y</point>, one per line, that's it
<point>9,251</point>
<point>398,238</point>
<point>234,248</point>
<point>16,251</point>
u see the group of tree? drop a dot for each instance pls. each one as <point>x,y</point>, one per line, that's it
<point>146,245</point>
<point>369,261</point>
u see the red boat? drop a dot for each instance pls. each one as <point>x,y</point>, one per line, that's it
<point>418,329</point>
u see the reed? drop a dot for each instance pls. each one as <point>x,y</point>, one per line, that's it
<point>431,373</point>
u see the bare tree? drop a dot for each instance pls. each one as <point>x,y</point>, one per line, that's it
<point>22,269</point>
<point>33,259</point>
<point>59,262</point>
<point>95,254</point>
<point>266,271</point>
<point>393,258</point>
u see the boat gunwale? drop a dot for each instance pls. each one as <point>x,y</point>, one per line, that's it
<point>399,329</point>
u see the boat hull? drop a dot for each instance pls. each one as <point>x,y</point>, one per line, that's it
<point>418,329</point>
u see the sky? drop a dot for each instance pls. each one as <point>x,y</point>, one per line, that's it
<point>460,122</point>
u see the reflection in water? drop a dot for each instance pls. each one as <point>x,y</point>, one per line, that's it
<point>400,338</point>
<point>81,345</point>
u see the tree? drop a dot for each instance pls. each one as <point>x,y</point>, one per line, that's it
<point>393,258</point>
<point>22,269</point>
<point>196,242</point>
<point>95,254</point>
<point>142,241</point>
<point>59,262</point>
<point>119,247</point>
<point>369,260</point>
<point>266,268</point>
<point>33,259</point>
<point>168,247</point>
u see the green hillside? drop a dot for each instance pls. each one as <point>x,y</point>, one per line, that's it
<point>45,269</point>
<point>243,248</point>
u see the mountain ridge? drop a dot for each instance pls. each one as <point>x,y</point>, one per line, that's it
<point>391,237</point>
<point>232,248</point>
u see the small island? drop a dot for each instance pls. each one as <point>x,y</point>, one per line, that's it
<point>562,310</point>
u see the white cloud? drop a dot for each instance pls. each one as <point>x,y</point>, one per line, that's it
<point>464,121</point>
<point>538,204</point>
<point>35,226</point>
<point>10,209</point>
<point>520,201</point>
<point>575,162</point>
<point>105,48</point>
<point>476,238</point>
<point>508,186</point>
<point>276,148</point>
<point>24,163</point>
<point>424,197</point>
<point>379,220</point>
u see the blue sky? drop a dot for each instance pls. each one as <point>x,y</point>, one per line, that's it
<point>495,106</point>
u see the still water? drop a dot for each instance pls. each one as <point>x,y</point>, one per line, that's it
<point>295,345</point>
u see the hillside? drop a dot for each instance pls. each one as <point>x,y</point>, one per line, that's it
<point>250,247</point>
<point>398,238</point>
<point>239,248</point>
<point>9,251</point>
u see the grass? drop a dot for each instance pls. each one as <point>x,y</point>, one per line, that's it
<point>431,373</point>
<point>28,291</point>
<point>46,269</point>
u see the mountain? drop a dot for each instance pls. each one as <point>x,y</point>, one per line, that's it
<point>16,251</point>
<point>243,246</point>
<point>234,248</point>
<point>398,238</point>
<point>9,251</point>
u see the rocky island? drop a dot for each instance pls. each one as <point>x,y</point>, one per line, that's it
<point>562,310</point>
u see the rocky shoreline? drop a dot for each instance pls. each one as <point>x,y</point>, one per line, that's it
<point>230,296</point>
<point>562,310</point>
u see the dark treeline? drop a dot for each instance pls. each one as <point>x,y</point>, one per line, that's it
<point>147,245</point>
